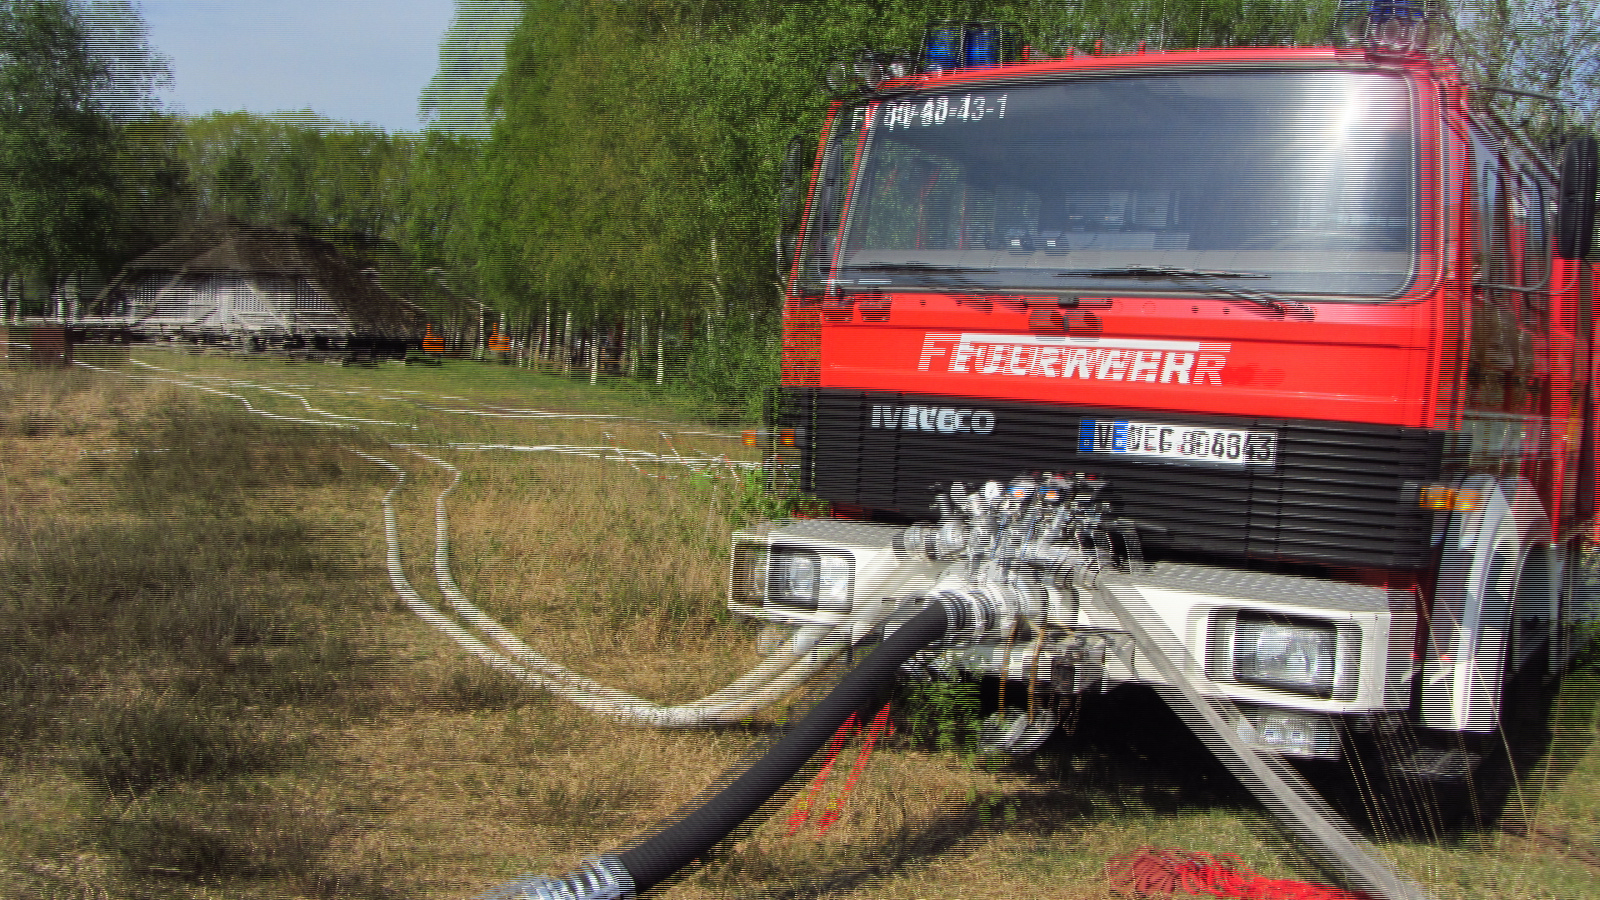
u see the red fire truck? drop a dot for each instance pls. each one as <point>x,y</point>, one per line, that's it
<point>1262,377</point>
<point>1316,324</point>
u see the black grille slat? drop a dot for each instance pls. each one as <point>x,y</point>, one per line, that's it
<point>1336,496</point>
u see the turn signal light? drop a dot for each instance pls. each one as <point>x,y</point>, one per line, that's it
<point>783,437</point>
<point>1444,498</point>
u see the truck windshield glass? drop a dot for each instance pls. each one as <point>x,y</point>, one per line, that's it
<point>1302,182</point>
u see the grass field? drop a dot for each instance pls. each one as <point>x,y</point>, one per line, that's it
<point>209,688</point>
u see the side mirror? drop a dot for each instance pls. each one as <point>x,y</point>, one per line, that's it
<point>791,181</point>
<point>791,188</point>
<point>1575,205</point>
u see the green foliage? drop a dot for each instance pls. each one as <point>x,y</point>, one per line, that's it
<point>993,808</point>
<point>738,366</point>
<point>59,191</point>
<point>940,714</point>
<point>297,172</point>
<point>1585,610</point>
<point>1587,655</point>
<point>158,191</point>
<point>757,501</point>
<point>471,57</point>
<point>87,164</point>
<point>1547,46</point>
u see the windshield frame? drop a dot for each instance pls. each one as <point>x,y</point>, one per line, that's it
<point>954,278</point>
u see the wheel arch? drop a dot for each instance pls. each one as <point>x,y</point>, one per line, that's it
<point>1473,625</point>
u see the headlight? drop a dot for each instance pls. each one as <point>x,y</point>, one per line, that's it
<point>810,579</point>
<point>1293,654</point>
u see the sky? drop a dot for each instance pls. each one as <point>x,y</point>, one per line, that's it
<point>363,62</point>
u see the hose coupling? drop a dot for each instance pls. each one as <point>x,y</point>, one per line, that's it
<point>971,613</point>
<point>938,541</point>
<point>599,878</point>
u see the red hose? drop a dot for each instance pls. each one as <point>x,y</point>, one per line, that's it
<point>1152,873</point>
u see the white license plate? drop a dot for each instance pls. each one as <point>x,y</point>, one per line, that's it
<point>1179,443</point>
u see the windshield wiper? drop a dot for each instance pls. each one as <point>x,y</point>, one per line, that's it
<point>1155,272</point>
<point>1283,306</point>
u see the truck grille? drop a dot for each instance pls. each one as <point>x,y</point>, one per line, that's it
<point>1336,496</point>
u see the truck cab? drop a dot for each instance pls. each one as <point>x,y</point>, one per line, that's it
<point>1300,316</point>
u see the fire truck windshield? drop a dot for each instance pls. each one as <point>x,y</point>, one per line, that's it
<point>1304,182</point>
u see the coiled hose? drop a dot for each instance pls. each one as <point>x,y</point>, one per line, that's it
<point>776,676</point>
<point>631,872</point>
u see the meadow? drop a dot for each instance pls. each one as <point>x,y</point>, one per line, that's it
<point>210,685</point>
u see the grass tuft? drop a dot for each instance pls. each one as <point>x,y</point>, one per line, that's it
<point>132,749</point>
<point>474,686</point>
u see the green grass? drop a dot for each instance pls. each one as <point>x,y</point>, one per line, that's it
<point>484,382</point>
<point>208,688</point>
<point>168,645</point>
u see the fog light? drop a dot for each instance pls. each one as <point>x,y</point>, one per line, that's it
<point>1292,734</point>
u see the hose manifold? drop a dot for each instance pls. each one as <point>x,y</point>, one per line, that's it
<point>599,878</point>
<point>1059,526</point>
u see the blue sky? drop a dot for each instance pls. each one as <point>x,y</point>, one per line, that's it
<point>359,61</point>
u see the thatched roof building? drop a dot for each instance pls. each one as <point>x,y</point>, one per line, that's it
<point>237,282</point>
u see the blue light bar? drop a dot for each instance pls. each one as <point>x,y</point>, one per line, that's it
<point>1385,24</point>
<point>942,46</point>
<point>983,45</point>
<point>1403,11</point>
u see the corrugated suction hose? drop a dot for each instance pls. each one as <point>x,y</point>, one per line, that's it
<point>631,872</point>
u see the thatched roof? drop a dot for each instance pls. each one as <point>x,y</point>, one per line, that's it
<point>235,249</point>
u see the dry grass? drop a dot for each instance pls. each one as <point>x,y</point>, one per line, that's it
<point>211,691</point>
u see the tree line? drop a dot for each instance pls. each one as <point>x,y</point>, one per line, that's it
<point>94,173</point>
<point>635,162</point>
<point>628,180</point>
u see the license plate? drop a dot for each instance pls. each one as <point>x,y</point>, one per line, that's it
<point>1179,443</point>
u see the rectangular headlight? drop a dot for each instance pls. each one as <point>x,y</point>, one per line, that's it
<point>1292,654</point>
<point>810,579</point>
<point>1306,735</point>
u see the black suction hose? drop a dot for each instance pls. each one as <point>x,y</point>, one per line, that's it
<point>652,862</point>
